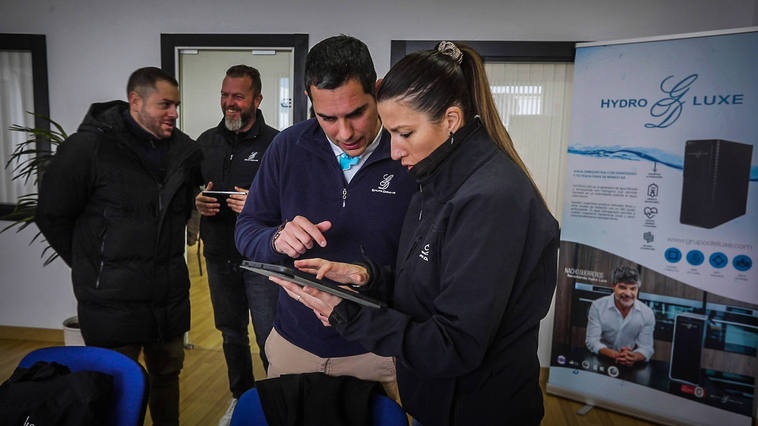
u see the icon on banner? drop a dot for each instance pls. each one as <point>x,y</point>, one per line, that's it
<point>742,263</point>
<point>695,257</point>
<point>718,260</point>
<point>673,255</point>
<point>613,371</point>
<point>650,212</point>
<point>652,191</point>
<point>561,359</point>
<point>648,237</point>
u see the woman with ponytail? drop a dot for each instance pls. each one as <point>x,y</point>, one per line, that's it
<point>476,265</point>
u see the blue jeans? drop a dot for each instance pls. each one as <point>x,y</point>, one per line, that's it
<point>234,293</point>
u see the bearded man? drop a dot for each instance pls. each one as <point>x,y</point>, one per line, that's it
<point>232,152</point>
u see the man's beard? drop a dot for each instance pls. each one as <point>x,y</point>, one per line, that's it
<point>151,124</point>
<point>625,302</point>
<point>234,124</point>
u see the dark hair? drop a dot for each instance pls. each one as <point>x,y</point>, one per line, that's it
<point>240,71</point>
<point>335,60</point>
<point>625,274</point>
<point>144,79</point>
<point>430,82</point>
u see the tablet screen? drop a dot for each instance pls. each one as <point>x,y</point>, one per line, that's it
<point>302,279</point>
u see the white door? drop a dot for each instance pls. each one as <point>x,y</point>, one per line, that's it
<point>201,71</point>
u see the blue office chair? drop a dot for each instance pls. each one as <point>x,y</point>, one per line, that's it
<point>129,378</point>
<point>249,411</point>
<point>387,412</point>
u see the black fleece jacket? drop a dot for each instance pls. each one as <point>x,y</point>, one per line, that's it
<point>229,159</point>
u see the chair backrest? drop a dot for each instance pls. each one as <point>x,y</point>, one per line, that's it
<point>129,378</point>
<point>387,412</point>
<point>249,411</point>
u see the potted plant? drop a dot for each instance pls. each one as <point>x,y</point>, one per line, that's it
<point>29,161</point>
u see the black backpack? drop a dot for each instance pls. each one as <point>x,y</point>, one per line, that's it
<point>47,394</point>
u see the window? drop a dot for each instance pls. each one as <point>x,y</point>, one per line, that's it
<point>531,85</point>
<point>23,87</point>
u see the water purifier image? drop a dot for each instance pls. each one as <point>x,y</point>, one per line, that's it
<point>715,181</point>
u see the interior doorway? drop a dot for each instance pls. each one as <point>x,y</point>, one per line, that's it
<point>199,62</point>
<point>201,71</point>
<point>182,55</point>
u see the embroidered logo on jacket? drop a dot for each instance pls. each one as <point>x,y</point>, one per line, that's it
<point>252,156</point>
<point>384,184</point>
<point>425,253</point>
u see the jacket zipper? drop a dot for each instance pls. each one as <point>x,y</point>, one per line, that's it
<point>421,210</point>
<point>102,260</point>
<point>417,238</point>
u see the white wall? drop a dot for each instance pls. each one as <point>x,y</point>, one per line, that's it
<point>92,47</point>
<point>32,296</point>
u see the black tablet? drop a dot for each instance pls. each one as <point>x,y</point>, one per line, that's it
<point>303,279</point>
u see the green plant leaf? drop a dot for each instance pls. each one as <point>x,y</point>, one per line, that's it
<point>28,161</point>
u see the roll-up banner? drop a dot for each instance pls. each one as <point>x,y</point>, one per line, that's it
<point>657,300</point>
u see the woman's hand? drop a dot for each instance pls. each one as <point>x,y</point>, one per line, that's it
<point>321,303</point>
<point>345,273</point>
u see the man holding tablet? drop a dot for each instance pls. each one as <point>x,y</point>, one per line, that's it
<point>327,188</point>
<point>231,155</point>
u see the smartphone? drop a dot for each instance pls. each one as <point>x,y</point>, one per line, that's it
<point>687,348</point>
<point>221,196</point>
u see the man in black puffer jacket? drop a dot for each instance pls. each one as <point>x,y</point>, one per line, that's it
<point>113,203</point>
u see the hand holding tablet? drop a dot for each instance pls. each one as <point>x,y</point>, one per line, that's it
<point>303,279</point>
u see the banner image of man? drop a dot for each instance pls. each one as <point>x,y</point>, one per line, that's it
<point>619,326</point>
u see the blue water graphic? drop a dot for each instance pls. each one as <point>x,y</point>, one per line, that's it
<point>653,155</point>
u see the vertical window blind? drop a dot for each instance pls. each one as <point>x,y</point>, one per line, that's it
<point>534,101</point>
<point>16,98</point>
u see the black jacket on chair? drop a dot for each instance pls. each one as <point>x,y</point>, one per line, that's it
<point>314,399</point>
<point>119,223</point>
<point>48,393</point>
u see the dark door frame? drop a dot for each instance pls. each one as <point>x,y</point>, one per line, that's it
<point>299,43</point>
<point>497,51</point>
